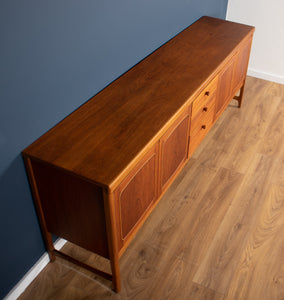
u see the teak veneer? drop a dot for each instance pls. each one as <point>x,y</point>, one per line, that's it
<point>98,174</point>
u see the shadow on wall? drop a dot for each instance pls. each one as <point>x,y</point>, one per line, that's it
<point>19,232</point>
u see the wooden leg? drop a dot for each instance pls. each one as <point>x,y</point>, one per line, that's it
<point>112,240</point>
<point>46,235</point>
<point>240,97</point>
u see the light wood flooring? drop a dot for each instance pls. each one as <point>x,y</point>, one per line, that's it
<point>218,233</point>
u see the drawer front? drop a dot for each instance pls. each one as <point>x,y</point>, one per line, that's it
<point>204,97</point>
<point>195,142</point>
<point>203,120</point>
<point>201,123</point>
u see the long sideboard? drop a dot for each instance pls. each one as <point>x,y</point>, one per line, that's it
<point>99,173</point>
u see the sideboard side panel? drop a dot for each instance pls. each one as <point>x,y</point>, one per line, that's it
<point>73,208</point>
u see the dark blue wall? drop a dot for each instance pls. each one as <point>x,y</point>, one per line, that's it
<point>54,55</point>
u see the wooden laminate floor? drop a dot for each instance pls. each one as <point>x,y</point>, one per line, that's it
<point>218,233</point>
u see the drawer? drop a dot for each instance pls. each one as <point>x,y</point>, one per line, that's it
<point>200,125</point>
<point>194,143</point>
<point>205,97</point>
<point>198,135</point>
<point>203,120</point>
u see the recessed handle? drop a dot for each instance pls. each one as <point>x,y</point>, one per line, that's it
<point>205,108</point>
<point>207,93</point>
<point>203,127</point>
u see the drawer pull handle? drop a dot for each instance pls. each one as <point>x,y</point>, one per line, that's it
<point>203,127</point>
<point>207,93</point>
<point>205,108</point>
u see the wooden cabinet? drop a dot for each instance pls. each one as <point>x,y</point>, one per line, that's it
<point>98,174</point>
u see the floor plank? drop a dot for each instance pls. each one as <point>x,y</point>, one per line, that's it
<point>218,231</point>
<point>216,270</point>
<point>272,142</point>
<point>260,272</point>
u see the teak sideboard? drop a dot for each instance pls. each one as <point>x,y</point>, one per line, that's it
<point>98,174</point>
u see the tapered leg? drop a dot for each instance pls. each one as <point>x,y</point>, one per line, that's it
<point>112,240</point>
<point>46,235</point>
<point>240,97</point>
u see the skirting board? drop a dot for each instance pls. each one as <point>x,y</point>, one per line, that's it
<point>266,76</point>
<point>32,273</point>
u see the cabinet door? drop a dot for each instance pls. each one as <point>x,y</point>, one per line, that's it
<point>224,90</point>
<point>136,194</point>
<point>241,65</point>
<point>174,149</point>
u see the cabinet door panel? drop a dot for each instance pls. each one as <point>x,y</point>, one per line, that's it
<point>137,193</point>
<point>174,148</point>
<point>241,65</point>
<point>224,91</point>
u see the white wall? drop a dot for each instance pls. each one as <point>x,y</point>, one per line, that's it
<point>267,54</point>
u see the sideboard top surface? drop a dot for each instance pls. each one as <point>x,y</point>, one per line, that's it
<point>100,139</point>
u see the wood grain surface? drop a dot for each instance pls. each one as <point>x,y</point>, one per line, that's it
<point>102,138</point>
<point>218,231</point>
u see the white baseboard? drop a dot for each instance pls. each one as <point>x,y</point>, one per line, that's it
<point>266,76</point>
<point>32,273</point>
